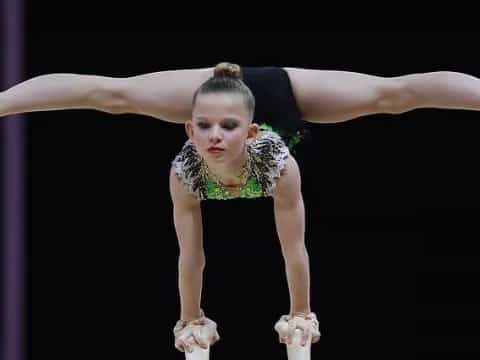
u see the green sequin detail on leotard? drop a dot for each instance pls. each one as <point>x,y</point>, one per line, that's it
<point>294,139</point>
<point>252,189</point>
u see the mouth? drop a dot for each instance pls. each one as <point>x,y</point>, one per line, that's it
<point>215,149</point>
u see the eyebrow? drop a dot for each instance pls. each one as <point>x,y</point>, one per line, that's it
<point>201,118</point>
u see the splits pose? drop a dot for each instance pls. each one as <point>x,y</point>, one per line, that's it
<point>243,124</point>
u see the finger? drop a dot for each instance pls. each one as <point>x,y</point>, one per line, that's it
<point>211,323</point>
<point>316,335</point>
<point>215,339</point>
<point>315,339</point>
<point>208,335</point>
<point>180,345</point>
<point>189,348</point>
<point>188,344</point>
<point>305,336</point>
<point>183,338</point>
<point>292,325</point>
<point>282,328</point>
<point>283,339</point>
<point>197,333</point>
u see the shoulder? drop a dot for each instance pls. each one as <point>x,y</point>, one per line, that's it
<point>287,190</point>
<point>269,159</point>
<point>186,170</point>
<point>179,194</point>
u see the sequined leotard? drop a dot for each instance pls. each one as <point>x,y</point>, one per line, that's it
<point>267,154</point>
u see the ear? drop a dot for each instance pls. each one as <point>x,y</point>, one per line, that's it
<point>253,130</point>
<point>189,129</point>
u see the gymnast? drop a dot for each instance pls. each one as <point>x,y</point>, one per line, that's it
<point>243,124</point>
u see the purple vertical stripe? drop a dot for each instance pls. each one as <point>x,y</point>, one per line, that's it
<point>12,15</point>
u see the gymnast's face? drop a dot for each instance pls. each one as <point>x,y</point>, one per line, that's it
<point>221,120</point>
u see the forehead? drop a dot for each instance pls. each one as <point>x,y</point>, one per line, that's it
<point>220,105</point>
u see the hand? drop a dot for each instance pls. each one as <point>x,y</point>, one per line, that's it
<point>201,332</point>
<point>287,325</point>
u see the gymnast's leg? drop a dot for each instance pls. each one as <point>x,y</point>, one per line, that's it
<point>165,95</point>
<point>326,96</point>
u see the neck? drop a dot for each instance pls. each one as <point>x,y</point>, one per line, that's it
<point>230,173</point>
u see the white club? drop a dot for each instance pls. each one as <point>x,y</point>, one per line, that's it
<point>295,351</point>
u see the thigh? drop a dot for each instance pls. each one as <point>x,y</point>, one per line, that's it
<point>166,95</point>
<point>328,96</point>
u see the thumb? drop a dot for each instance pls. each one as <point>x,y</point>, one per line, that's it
<point>200,338</point>
<point>281,327</point>
<point>292,325</point>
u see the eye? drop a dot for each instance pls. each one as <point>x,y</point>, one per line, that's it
<point>206,126</point>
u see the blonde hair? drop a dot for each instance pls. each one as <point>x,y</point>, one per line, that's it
<point>226,69</point>
<point>227,78</point>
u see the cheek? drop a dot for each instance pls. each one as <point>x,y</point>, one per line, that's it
<point>202,136</point>
<point>235,140</point>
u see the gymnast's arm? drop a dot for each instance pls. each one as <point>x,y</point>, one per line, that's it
<point>289,212</point>
<point>188,226</point>
<point>165,95</point>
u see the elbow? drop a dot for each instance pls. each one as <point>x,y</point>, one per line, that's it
<point>295,254</point>
<point>296,262</point>
<point>189,259</point>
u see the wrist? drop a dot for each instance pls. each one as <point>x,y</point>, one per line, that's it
<point>184,318</point>
<point>301,313</point>
<point>182,323</point>
<point>304,315</point>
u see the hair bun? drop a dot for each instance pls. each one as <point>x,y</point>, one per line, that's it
<point>230,70</point>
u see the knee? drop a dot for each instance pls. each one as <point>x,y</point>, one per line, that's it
<point>108,96</point>
<point>395,97</point>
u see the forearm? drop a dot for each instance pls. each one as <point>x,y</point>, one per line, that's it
<point>442,89</point>
<point>59,92</point>
<point>190,279</point>
<point>298,276</point>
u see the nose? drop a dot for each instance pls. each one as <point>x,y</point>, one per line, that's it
<point>215,135</point>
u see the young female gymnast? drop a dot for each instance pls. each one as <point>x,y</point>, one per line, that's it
<point>227,156</point>
<point>253,162</point>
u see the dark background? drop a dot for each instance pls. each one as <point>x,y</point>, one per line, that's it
<point>2,179</point>
<point>392,207</point>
